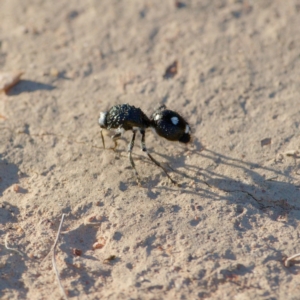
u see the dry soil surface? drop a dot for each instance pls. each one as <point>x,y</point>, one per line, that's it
<point>224,232</point>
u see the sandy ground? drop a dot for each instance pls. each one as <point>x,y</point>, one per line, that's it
<point>224,233</point>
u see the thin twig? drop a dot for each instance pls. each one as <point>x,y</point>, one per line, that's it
<point>287,262</point>
<point>9,248</point>
<point>53,258</point>
<point>271,178</point>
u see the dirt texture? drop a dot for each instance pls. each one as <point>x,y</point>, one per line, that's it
<point>231,69</point>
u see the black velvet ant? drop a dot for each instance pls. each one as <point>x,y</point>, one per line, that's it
<point>166,123</point>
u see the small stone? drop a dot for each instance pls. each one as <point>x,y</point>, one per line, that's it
<point>265,142</point>
<point>16,188</point>
<point>77,252</point>
<point>77,265</point>
<point>99,244</point>
<point>54,72</point>
<point>9,79</point>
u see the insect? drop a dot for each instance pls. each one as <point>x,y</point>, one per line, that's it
<point>166,123</point>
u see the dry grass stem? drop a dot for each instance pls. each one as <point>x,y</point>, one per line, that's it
<point>53,258</point>
<point>9,248</point>
<point>287,262</point>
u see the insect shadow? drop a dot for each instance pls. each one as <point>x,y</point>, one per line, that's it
<point>275,196</point>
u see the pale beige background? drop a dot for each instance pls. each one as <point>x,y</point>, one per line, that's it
<point>224,232</point>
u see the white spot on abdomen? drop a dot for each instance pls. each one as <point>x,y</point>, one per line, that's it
<point>174,120</point>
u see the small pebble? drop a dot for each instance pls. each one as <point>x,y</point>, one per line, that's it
<point>9,79</point>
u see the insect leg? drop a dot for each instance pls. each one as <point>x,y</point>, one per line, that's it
<point>143,145</point>
<point>130,147</point>
<point>115,137</point>
<point>102,139</point>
